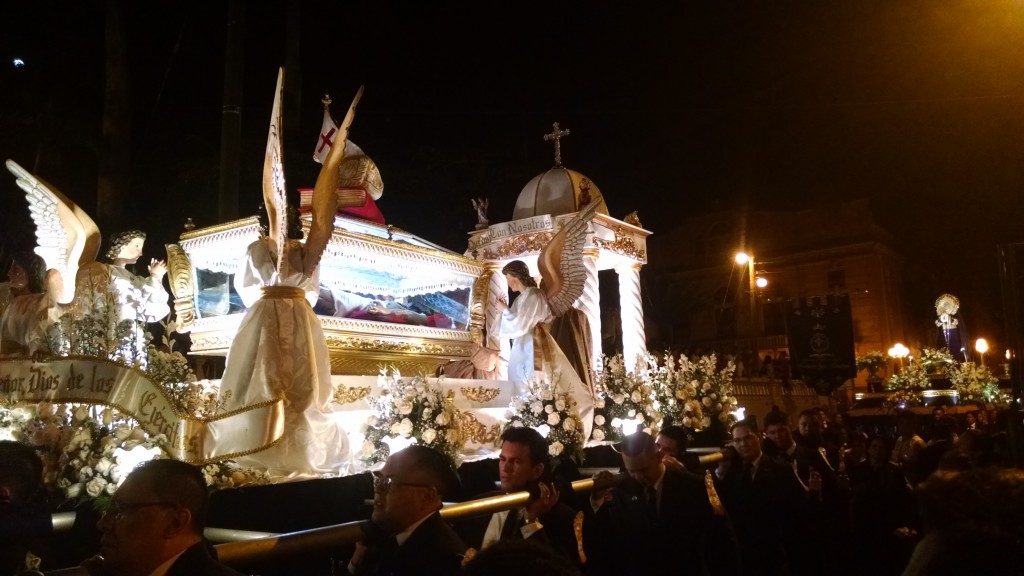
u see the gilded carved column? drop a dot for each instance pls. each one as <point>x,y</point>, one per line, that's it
<point>590,303</point>
<point>632,311</point>
<point>498,290</point>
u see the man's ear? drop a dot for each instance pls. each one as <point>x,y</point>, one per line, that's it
<point>538,470</point>
<point>181,521</point>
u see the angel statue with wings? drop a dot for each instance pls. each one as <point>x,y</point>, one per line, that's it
<point>280,351</point>
<point>43,282</point>
<point>563,275</point>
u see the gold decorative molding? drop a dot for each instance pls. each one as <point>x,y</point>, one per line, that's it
<point>478,307</point>
<point>623,244</point>
<point>519,245</point>
<point>476,431</point>
<point>480,393</point>
<point>633,219</point>
<point>183,286</point>
<point>347,395</point>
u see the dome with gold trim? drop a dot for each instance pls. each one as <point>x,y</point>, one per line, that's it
<point>557,191</point>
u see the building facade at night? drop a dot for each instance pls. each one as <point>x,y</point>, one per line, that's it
<point>703,299</point>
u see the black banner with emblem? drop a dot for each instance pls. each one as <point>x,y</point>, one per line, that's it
<point>820,332</point>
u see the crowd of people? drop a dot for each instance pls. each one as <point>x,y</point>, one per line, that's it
<point>817,498</point>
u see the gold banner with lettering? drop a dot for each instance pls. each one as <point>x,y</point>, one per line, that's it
<point>131,392</point>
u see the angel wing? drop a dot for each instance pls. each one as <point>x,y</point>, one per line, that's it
<point>275,194</point>
<point>561,262</point>
<point>325,196</point>
<point>66,237</point>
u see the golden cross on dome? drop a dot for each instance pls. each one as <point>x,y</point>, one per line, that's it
<point>557,134</point>
<point>326,101</point>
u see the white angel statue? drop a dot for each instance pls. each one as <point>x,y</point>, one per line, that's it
<point>280,351</point>
<point>66,238</point>
<point>563,275</point>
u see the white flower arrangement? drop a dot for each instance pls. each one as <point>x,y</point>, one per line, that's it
<point>936,360</point>
<point>872,361</point>
<point>905,387</point>
<point>101,452</point>
<point>198,398</point>
<point>625,400</point>
<point>553,413</point>
<point>976,383</point>
<point>228,474</point>
<point>411,409</point>
<point>696,393</point>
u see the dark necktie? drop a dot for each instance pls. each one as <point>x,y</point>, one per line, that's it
<point>510,529</point>
<point>652,500</point>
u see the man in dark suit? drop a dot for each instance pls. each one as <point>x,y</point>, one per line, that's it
<point>409,536</point>
<point>765,499</point>
<point>154,525</point>
<point>658,520</point>
<point>544,520</point>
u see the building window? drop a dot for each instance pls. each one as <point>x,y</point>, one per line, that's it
<point>836,280</point>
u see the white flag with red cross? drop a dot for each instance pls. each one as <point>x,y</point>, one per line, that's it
<point>327,133</point>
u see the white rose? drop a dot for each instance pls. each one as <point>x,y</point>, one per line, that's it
<point>95,487</point>
<point>599,420</point>
<point>110,488</point>
<point>705,422</point>
<point>546,395</point>
<point>556,448</point>
<point>549,408</point>
<point>405,427</point>
<point>45,410</point>
<point>394,430</point>
<point>706,387</point>
<point>428,412</point>
<point>631,413</point>
<point>84,473</point>
<point>429,435</point>
<point>367,448</point>
<point>81,413</point>
<point>706,401</point>
<point>597,435</point>
<point>560,404</point>
<point>569,424</point>
<point>108,416</point>
<point>635,396</point>
<point>554,419</point>
<point>115,473</point>
<point>618,398</point>
<point>103,466</point>
<point>404,407</point>
<point>537,407</point>
<point>687,421</point>
<point>122,433</point>
<point>74,490</point>
<point>517,424</point>
<point>599,403</point>
<point>442,419</point>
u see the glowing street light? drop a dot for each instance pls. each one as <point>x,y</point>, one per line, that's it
<point>742,258</point>
<point>981,345</point>
<point>761,282</point>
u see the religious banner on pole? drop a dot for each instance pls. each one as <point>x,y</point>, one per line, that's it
<point>820,333</point>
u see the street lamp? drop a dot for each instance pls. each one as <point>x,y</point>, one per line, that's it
<point>742,258</point>
<point>981,345</point>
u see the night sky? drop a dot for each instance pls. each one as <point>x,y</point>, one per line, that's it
<point>705,105</point>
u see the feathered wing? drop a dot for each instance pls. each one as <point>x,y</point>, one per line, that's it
<point>325,195</point>
<point>275,194</point>
<point>66,237</point>
<point>561,262</point>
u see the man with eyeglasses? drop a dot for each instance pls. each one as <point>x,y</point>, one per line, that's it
<point>407,534</point>
<point>765,499</point>
<point>154,525</point>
